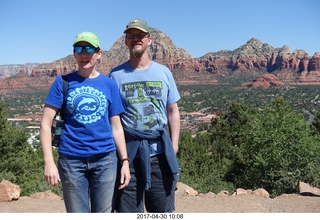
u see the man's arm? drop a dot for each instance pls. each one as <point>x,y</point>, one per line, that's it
<point>174,125</point>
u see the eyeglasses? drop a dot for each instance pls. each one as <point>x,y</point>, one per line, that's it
<point>139,36</point>
<point>88,49</point>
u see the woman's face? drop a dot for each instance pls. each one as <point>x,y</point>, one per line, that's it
<point>86,55</point>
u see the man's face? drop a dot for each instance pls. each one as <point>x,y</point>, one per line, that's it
<point>137,41</point>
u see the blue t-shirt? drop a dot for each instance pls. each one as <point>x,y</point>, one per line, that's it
<point>146,94</point>
<point>90,103</point>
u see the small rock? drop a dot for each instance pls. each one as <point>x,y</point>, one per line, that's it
<point>8,191</point>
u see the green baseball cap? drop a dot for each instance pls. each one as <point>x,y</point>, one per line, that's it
<point>89,37</point>
<point>139,24</point>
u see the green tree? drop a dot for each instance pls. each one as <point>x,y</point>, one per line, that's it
<point>273,147</point>
<point>20,163</point>
<point>284,152</point>
<point>315,125</point>
<point>198,163</point>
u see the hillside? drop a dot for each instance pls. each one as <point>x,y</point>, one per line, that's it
<point>252,59</point>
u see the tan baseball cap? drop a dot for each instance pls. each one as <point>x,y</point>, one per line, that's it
<point>138,24</point>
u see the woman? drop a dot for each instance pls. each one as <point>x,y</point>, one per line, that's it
<point>92,135</point>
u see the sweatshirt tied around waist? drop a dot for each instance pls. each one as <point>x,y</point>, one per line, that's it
<point>138,144</point>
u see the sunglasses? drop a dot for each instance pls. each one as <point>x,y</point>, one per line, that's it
<point>88,49</point>
<point>139,36</point>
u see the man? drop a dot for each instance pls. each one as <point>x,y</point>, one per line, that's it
<point>150,95</point>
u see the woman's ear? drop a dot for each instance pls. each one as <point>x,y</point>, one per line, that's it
<point>99,53</point>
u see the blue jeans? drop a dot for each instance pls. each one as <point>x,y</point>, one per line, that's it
<point>88,184</point>
<point>159,198</point>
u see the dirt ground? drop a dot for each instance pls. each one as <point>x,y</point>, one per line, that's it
<point>190,204</point>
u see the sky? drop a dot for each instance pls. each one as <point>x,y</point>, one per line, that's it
<point>43,31</point>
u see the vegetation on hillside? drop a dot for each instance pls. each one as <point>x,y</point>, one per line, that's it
<point>270,146</point>
<point>217,98</point>
<point>214,98</point>
<point>266,138</point>
<point>21,163</point>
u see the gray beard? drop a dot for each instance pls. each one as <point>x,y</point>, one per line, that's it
<point>137,53</point>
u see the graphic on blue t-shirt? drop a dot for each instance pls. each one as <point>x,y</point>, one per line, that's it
<point>144,99</point>
<point>87,104</point>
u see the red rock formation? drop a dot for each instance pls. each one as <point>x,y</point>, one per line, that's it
<point>310,69</point>
<point>21,81</point>
<point>265,81</point>
<point>314,65</point>
<point>296,67</point>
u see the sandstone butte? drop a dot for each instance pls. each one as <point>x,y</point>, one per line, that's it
<point>271,66</point>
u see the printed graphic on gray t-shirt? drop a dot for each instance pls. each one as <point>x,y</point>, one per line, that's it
<point>144,110</point>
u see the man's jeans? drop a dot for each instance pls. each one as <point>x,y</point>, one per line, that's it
<point>88,181</point>
<point>159,198</point>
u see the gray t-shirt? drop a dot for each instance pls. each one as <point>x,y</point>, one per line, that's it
<point>145,95</point>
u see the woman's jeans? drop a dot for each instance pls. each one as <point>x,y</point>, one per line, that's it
<point>88,184</point>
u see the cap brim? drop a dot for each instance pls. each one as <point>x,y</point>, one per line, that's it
<point>141,29</point>
<point>90,42</point>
